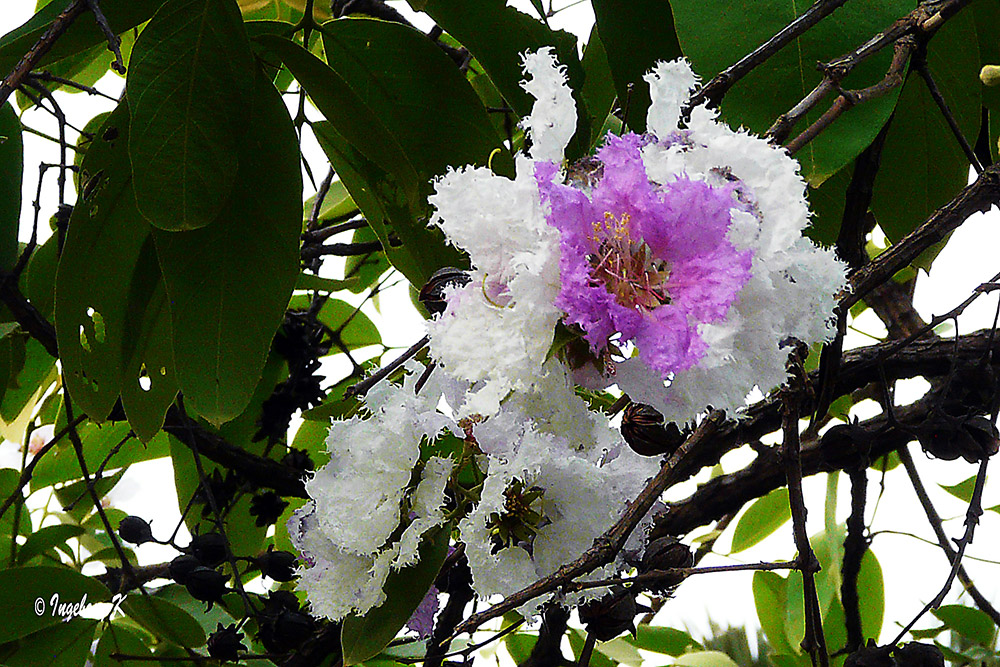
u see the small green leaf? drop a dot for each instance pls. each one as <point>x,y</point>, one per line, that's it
<point>352,327</point>
<point>763,517</point>
<point>117,638</point>
<point>32,596</point>
<point>577,638</point>
<point>44,539</point>
<point>336,205</point>
<point>164,619</point>
<point>968,622</point>
<point>963,490</point>
<point>668,641</point>
<point>519,645</point>
<point>770,599</point>
<point>706,659</point>
<point>365,637</point>
<point>872,595</point>
<point>312,282</point>
<point>189,90</point>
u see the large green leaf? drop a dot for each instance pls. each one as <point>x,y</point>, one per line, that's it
<point>190,88</point>
<point>45,538</point>
<point>108,288</point>
<point>631,58</point>
<point>164,619</point>
<point>872,595</point>
<point>228,283</point>
<point>763,517</point>
<point>922,164</point>
<point>65,645</point>
<point>82,34</point>
<point>497,35</point>
<point>417,91</point>
<point>365,637</point>
<point>770,598</point>
<point>116,638</point>
<point>381,177</point>
<point>34,593</point>
<point>668,641</point>
<point>11,172</point>
<point>598,87</point>
<point>717,33</point>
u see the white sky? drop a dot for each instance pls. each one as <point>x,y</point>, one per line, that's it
<point>913,570</point>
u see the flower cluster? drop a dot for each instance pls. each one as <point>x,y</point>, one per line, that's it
<point>674,264</point>
<point>677,255</point>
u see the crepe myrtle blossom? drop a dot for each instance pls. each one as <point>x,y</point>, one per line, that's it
<point>546,497</point>
<point>676,255</point>
<point>373,502</point>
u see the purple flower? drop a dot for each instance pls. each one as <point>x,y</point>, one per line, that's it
<point>422,619</point>
<point>646,261</point>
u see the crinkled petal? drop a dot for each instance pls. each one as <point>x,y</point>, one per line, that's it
<point>552,121</point>
<point>669,85</point>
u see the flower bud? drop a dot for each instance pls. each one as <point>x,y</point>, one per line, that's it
<point>206,585</point>
<point>432,293</point>
<point>182,566</point>
<point>278,565</point>
<point>644,431</point>
<point>135,530</point>
<point>990,75</point>
<point>209,548</point>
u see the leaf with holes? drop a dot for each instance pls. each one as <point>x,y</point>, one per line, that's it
<point>190,90</point>
<point>228,284</point>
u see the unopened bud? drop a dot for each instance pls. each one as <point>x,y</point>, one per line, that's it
<point>990,75</point>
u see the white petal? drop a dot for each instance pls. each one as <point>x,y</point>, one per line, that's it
<point>670,84</point>
<point>552,121</point>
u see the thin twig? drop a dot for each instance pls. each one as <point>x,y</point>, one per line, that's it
<point>922,68</point>
<point>713,91</point>
<point>934,519</point>
<point>361,388</point>
<point>114,41</point>
<point>55,30</point>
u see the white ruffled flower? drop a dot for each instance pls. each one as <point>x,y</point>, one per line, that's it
<point>497,329</point>
<point>345,533</point>
<point>545,499</point>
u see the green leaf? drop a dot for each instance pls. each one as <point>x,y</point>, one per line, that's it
<point>631,58</point>
<point>827,203</point>
<point>668,641</point>
<point>968,622</point>
<point>117,638</point>
<point>497,35</point>
<point>417,91</point>
<point>706,659</point>
<point>336,205</point>
<point>763,517</point>
<point>519,645</point>
<point>228,283</point>
<point>122,15</point>
<point>922,164</point>
<point>770,599</point>
<point>872,595</point>
<point>717,33</point>
<point>598,86</point>
<point>108,287</point>
<point>312,282</point>
<point>367,269</point>
<point>350,325</point>
<point>44,539</point>
<point>65,645</point>
<point>164,619</point>
<point>76,499</point>
<point>987,17</point>
<point>963,490</point>
<point>365,637</point>
<point>11,173</point>
<point>22,588</point>
<point>190,87</point>
<point>576,639</point>
<point>32,370</point>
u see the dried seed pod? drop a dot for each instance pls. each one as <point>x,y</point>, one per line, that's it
<point>206,585</point>
<point>665,553</point>
<point>916,654</point>
<point>182,566</point>
<point>871,656</point>
<point>209,548</point>
<point>432,293</point>
<point>278,565</point>
<point>267,507</point>
<point>644,431</point>
<point>226,643</point>
<point>846,447</point>
<point>611,615</point>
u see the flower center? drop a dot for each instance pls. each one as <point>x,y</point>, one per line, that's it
<point>518,522</point>
<point>626,266</point>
